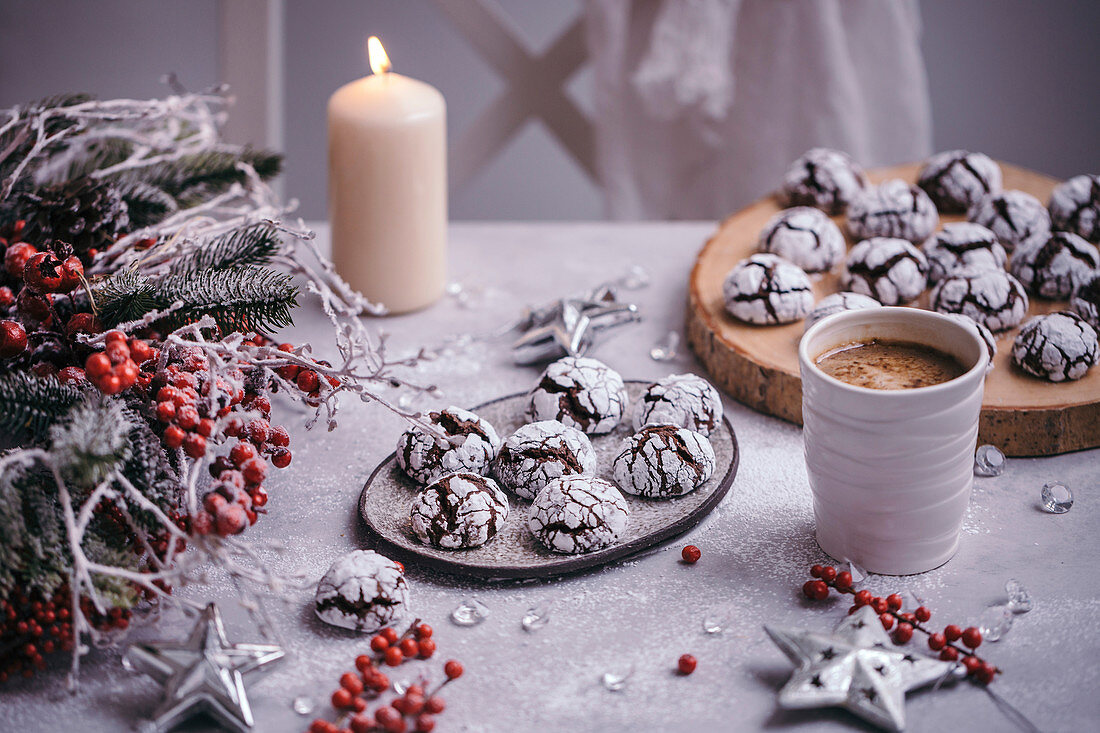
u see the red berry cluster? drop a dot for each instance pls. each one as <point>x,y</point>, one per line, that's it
<point>890,613</point>
<point>115,369</point>
<point>414,710</point>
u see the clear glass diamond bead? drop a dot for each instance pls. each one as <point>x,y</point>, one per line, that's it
<point>470,612</point>
<point>716,620</point>
<point>303,705</point>
<point>665,348</point>
<point>989,461</point>
<point>995,622</point>
<point>615,680</point>
<point>1019,600</point>
<point>536,617</point>
<point>1056,498</point>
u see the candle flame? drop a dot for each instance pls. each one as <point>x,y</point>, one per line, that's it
<point>379,59</point>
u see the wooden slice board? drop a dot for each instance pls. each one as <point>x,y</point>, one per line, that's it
<point>758,365</point>
<point>514,552</point>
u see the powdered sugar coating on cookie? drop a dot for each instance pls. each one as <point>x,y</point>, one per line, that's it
<point>955,179</point>
<point>766,289</point>
<point>577,514</point>
<point>985,333</point>
<point>1017,218</point>
<point>806,236</point>
<point>1085,300</point>
<point>893,208</point>
<point>991,297</point>
<point>890,270</point>
<point>1054,268</point>
<point>1058,347</point>
<point>471,444</point>
<point>363,591</point>
<point>962,244</point>
<point>685,400</point>
<point>662,461</point>
<point>839,302</point>
<point>539,452</point>
<point>580,392</point>
<point>458,511</point>
<point>1075,207</point>
<point>823,178</point>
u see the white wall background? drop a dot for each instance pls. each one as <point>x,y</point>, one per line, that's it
<point>1013,78</point>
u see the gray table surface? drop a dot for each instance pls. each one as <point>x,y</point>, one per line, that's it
<point>646,611</point>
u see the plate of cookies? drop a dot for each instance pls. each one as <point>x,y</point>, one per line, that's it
<point>582,470</point>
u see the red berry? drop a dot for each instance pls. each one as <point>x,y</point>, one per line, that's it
<point>7,297</point>
<point>986,673</point>
<point>13,339</point>
<point>194,445</point>
<point>254,471</point>
<point>115,336</point>
<point>409,647</point>
<point>894,601</point>
<point>259,497</point>
<point>887,621</point>
<point>424,723</point>
<point>862,597</point>
<point>82,323</point>
<point>202,523</point>
<point>903,633</point>
<point>936,642</point>
<point>231,519</point>
<point>166,411</point>
<point>394,656</point>
<point>880,605</point>
<point>423,631</point>
<point>844,580</point>
<point>389,635</point>
<point>949,654</point>
<point>322,726</point>
<point>117,351</point>
<point>828,574</point>
<point>187,417</point>
<point>686,664</point>
<point>42,273</point>
<point>414,690</point>
<point>386,714</point>
<point>972,637</point>
<point>815,571</point>
<point>952,632</point>
<point>71,375</point>
<point>425,648</point>
<point>140,351</point>
<point>15,259</point>
<point>972,664</point>
<point>173,436</point>
<point>361,723</point>
<point>341,699</point>
<point>351,682</point>
<point>281,457</point>
<point>453,669</point>
<point>379,643</point>
<point>922,614</point>
<point>363,663</point>
<point>242,452</point>
<point>205,427</point>
<point>434,705</point>
<point>279,436</point>
<point>72,271</point>
<point>815,590</point>
<point>378,682</point>
<point>257,431</point>
<point>691,554</point>
<point>308,380</point>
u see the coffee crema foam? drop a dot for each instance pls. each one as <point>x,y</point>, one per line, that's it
<point>882,364</point>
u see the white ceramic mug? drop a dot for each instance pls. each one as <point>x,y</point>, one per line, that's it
<point>891,470</point>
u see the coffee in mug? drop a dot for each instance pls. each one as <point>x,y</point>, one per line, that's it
<point>886,364</point>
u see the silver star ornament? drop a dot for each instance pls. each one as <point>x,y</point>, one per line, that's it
<point>203,674</point>
<point>856,668</point>
<point>569,326</point>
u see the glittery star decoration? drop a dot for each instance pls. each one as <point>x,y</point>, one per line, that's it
<point>569,326</point>
<point>203,674</point>
<point>856,668</point>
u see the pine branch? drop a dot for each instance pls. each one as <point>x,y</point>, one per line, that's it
<point>92,440</point>
<point>202,175</point>
<point>29,405</point>
<point>147,204</point>
<point>124,296</point>
<point>254,245</point>
<point>238,299</point>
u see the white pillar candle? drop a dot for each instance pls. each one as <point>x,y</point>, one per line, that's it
<point>387,163</point>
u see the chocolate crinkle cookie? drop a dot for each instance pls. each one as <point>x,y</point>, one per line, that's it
<point>838,302</point>
<point>890,270</point>
<point>458,511</point>
<point>985,333</point>
<point>363,591</point>
<point>1075,207</point>
<point>1053,268</point>
<point>542,451</point>
<point>805,236</point>
<point>1085,300</point>
<point>470,444</point>
<point>685,400</point>
<point>577,514</point>
<point>823,178</point>
<point>955,179</point>
<point>1058,346</point>
<point>662,461</point>
<point>766,289</point>
<point>962,244</point>
<point>580,392</point>
<point>1015,217</point>
<point>993,298</point>
<point>893,208</point>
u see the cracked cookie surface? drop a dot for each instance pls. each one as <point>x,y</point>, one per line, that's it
<point>471,444</point>
<point>1058,347</point>
<point>893,208</point>
<point>1054,268</point>
<point>580,392</point>
<point>766,289</point>
<point>962,244</point>
<point>458,511</point>
<point>888,269</point>
<point>1017,218</point>
<point>806,236</point>
<point>823,178</point>
<point>542,451</point>
<point>1075,207</point>
<point>1085,300</point>
<point>685,400</point>
<point>838,302</point>
<point>577,514</point>
<point>993,298</point>
<point>662,461</point>
<point>955,179</point>
<point>363,591</point>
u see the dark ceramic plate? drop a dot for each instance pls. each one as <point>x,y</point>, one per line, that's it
<point>514,552</point>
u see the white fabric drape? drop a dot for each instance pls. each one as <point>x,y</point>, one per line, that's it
<point>702,104</point>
